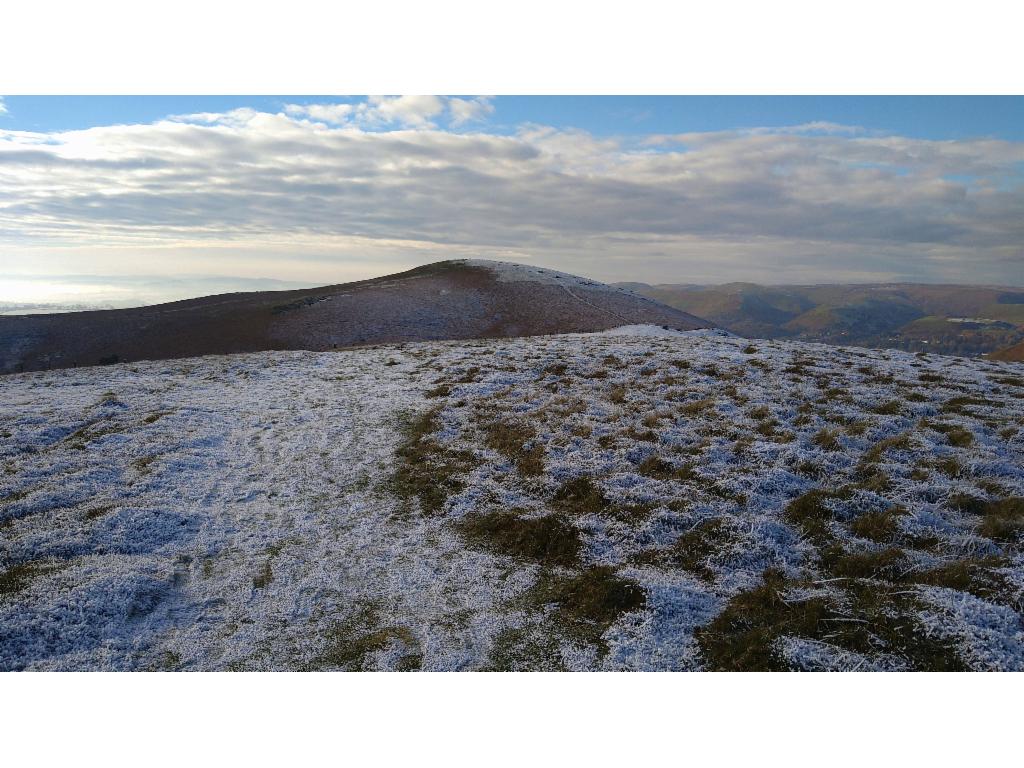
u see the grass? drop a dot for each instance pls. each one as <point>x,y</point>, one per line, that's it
<point>863,617</point>
<point>875,453</point>
<point>890,408</point>
<point>617,394</point>
<point>827,439</point>
<point>961,405</point>
<point>881,525</point>
<point>811,513</point>
<point>97,512</point>
<point>20,575</point>
<point>696,407</point>
<point>550,540</point>
<point>580,496</point>
<point>868,564</point>
<point>1003,520</point>
<point>441,390</point>
<point>351,641</point>
<point>657,468</point>
<point>697,549</point>
<point>510,439</point>
<point>587,603</point>
<point>264,577</point>
<point>427,470</point>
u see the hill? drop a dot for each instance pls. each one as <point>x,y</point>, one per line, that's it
<point>447,300</point>
<point>635,499</point>
<point>1010,354</point>
<point>945,319</point>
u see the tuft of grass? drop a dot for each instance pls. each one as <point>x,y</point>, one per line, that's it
<point>556,369</point>
<point>881,525</point>
<point>1003,519</point>
<point>961,405</point>
<point>955,434</point>
<point>890,408</point>
<point>549,540</point>
<point>441,390</point>
<point>617,394</point>
<point>950,465</point>
<point>696,407</point>
<point>872,564</point>
<point>930,377</point>
<point>827,439</point>
<point>587,603</point>
<point>510,440</point>
<point>743,637</point>
<point>697,549</point>
<point>264,577</point>
<point>811,513</point>
<point>866,617</point>
<point>875,453</point>
<point>656,467</point>
<point>580,496</point>
<point>976,575</point>
<point>427,470</point>
<point>351,641</point>
<point>20,575</point>
<point>96,512</point>
<point>750,349</point>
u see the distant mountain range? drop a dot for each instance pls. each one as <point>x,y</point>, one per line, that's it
<point>461,299</point>
<point>946,319</point>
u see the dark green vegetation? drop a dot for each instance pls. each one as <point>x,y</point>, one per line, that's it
<point>861,616</point>
<point>350,643</point>
<point>427,470</point>
<point>550,540</point>
<point>943,319</point>
<point>19,576</point>
<point>510,440</point>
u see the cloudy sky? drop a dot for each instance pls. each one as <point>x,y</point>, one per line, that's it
<point>121,200</point>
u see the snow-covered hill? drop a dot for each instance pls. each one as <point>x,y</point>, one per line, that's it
<point>640,499</point>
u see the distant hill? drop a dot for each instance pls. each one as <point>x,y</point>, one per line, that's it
<point>1014,354</point>
<point>947,319</point>
<point>447,300</point>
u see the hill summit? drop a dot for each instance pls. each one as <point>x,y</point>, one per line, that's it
<point>461,299</point>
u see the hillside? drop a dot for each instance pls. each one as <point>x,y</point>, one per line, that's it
<point>944,319</point>
<point>636,499</point>
<point>447,300</point>
<point>1010,354</point>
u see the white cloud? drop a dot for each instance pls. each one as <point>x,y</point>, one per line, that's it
<point>469,110</point>
<point>404,111</point>
<point>3,107</point>
<point>310,191</point>
<point>327,113</point>
<point>416,111</point>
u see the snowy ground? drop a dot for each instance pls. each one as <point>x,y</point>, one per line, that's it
<point>626,500</point>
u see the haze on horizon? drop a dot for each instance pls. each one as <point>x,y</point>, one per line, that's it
<point>131,201</point>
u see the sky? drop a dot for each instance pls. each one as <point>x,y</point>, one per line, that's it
<point>120,201</point>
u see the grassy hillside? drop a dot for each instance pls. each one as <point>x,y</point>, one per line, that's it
<point>945,319</point>
<point>631,500</point>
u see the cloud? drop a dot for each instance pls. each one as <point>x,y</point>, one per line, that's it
<point>316,189</point>
<point>405,111</point>
<point>328,113</point>
<point>469,110</point>
<point>3,107</point>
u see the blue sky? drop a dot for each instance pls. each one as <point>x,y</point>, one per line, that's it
<point>129,200</point>
<point>928,117</point>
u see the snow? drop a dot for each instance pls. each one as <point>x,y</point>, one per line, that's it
<point>154,497</point>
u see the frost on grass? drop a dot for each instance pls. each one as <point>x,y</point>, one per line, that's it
<point>637,499</point>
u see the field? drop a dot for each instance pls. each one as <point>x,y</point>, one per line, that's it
<point>631,500</point>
